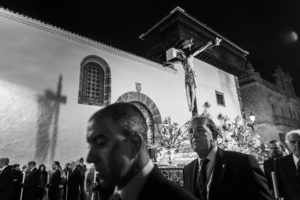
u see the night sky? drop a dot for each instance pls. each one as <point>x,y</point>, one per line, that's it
<point>268,29</point>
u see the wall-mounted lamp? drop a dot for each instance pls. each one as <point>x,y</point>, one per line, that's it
<point>252,117</point>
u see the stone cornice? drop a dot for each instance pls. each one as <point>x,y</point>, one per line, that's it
<point>255,80</point>
<point>78,38</point>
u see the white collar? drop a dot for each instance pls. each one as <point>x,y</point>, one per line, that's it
<point>295,160</point>
<point>4,167</point>
<point>132,190</point>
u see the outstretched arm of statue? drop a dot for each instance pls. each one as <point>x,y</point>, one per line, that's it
<point>208,45</point>
<point>202,48</point>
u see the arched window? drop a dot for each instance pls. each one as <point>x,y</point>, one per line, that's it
<point>94,85</point>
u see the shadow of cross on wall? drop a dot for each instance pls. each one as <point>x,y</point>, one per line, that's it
<point>48,115</point>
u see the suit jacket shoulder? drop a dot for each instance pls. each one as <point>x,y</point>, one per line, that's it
<point>288,184</point>
<point>160,188</point>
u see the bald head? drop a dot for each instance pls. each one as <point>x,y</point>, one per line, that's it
<point>116,136</point>
<point>127,116</point>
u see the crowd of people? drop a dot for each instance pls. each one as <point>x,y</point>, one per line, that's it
<point>117,149</point>
<point>36,183</point>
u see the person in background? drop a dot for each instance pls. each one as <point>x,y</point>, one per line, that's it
<point>66,171</point>
<point>17,180</point>
<point>43,175</point>
<point>116,137</point>
<point>82,167</point>
<point>90,182</point>
<point>276,151</point>
<point>287,168</point>
<point>6,180</point>
<point>217,174</point>
<point>32,179</point>
<point>54,190</point>
<point>74,181</point>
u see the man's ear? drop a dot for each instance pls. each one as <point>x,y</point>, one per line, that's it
<point>136,143</point>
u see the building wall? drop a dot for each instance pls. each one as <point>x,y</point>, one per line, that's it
<point>276,112</point>
<point>39,124</point>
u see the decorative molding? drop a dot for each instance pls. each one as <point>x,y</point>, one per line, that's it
<point>147,101</point>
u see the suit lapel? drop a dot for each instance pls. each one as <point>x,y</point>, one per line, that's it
<point>219,169</point>
<point>290,170</point>
<point>193,179</point>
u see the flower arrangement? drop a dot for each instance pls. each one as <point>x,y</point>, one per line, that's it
<point>237,136</point>
<point>170,139</point>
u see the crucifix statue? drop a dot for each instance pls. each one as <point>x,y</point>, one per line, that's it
<point>185,56</point>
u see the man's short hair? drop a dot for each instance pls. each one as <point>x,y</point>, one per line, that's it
<point>4,161</point>
<point>296,131</point>
<point>57,163</point>
<point>129,118</point>
<point>16,165</point>
<point>209,123</point>
<point>32,163</point>
<point>81,160</point>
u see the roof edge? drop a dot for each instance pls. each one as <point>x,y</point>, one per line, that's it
<point>38,24</point>
<point>179,9</point>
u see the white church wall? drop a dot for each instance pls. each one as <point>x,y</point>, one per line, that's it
<point>33,57</point>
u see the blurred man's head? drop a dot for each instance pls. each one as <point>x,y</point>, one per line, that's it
<point>276,148</point>
<point>293,142</point>
<point>16,167</point>
<point>73,165</point>
<point>67,166</point>
<point>4,162</point>
<point>203,134</point>
<point>31,165</point>
<point>81,160</point>
<point>115,135</point>
<point>55,165</point>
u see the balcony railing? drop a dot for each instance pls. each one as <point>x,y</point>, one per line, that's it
<point>286,121</point>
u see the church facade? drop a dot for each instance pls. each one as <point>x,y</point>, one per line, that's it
<point>276,106</point>
<point>52,81</point>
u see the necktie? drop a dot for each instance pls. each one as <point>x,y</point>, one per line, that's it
<point>203,178</point>
<point>203,174</point>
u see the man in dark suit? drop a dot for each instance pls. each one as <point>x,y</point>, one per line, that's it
<point>75,179</point>
<point>287,168</point>
<point>6,180</point>
<point>17,181</point>
<point>82,167</point>
<point>31,182</point>
<point>116,136</point>
<point>217,174</point>
<point>276,151</point>
<point>54,190</point>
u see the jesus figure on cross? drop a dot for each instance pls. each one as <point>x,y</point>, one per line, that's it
<point>186,56</point>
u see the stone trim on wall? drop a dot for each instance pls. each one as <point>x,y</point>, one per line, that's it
<point>147,101</point>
